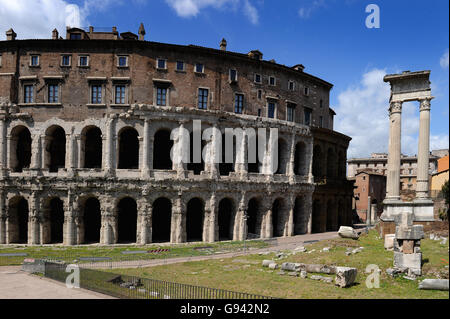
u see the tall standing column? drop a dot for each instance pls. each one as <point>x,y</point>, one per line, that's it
<point>3,164</point>
<point>2,219</point>
<point>109,158</point>
<point>423,158</point>
<point>146,150</point>
<point>394,156</point>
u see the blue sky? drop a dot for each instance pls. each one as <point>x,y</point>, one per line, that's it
<point>329,37</point>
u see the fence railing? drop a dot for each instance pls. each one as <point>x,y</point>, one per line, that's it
<point>131,287</point>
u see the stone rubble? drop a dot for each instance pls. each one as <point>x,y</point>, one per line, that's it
<point>347,232</point>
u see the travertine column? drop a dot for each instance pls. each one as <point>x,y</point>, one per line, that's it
<point>423,157</point>
<point>144,233</point>
<point>36,152</point>
<point>394,156</point>
<point>146,150</point>
<point>213,231</point>
<point>109,156</point>
<point>214,150</point>
<point>178,222</point>
<point>308,209</point>
<point>241,166</point>
<point>290,219</point>
<point>240,225</point>
<point>291,165</point>
<point>3,163</point>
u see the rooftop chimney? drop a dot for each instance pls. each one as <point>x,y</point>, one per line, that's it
<point>223,45</point>
<point>55,34</point>
<point>91,29</point>
<point>10,35</point>
<point>141,32</point>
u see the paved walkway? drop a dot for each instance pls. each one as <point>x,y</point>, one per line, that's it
<point>276,244</point>
<point>16,284</point>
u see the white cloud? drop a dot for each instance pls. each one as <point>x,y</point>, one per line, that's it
<point>191,8</point>
<point>445,60</point>
<point>32,19</point>
<point>306,11</point>
<point>362,113</point>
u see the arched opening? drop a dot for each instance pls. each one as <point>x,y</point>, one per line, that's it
<point>55,148</point>
<point>225,167</point>
<point>18,221</point>
<point>197,168</point>
<point>254,165</point>
<point>283,157</point>
<point>92,220</point>
<point>331,164</point>
<point>299,222</point>
<point>253,219</point>
<point>300,160</point>
<point>92,142</point>
<point>194,219</point>
<point>226,215</point>
<point>341,214</point>
<point>20,148</point>
<point>56,214</point>
<point>316,217</point>
<point>161,220</point>
<point>127,220</point>
<point>128,149</point>
<point>278,210</point>
<point>330,216</point>
<point>342,165</point>
<point>317,159</point>
<point>161,150</point>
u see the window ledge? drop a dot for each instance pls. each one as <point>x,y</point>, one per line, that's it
<point>180,71</point>
<point>162,69</point>
<point>84,66</point>
<point>122,66</point>
<point>35,66</point>
<point>119,105</point>
<point>199,73</point>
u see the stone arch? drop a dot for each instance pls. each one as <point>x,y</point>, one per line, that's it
<point>162,146</point>
<point>126,220</point>
<point>20,153</point>
<point>55,148</point>
<point>54,221</point>
<point>227,212</point>
<point>226,168</point>
<point>299,220</point>
<point>317,162</point>
<point>300,164</point>
<point>342,165</point>
<point>316,216</point>
<point>197,168</point>
<point>128,148</point>
<point>195,216</point>
<point>17,226</point>
<point>91,147</point>
<point>92,220</point>
<point>278,217</point>
<point>161,220</point>
<point>254,218</point>
<point>283,156</point>
<point>331,159</point>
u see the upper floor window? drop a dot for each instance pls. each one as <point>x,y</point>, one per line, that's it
<point>291,85</point>
<point>321,103</point>
<point>75,36</point>
<point>180,66</point>
<point>321,121</point>
<point>119,96</point>
<point>233,75</point>
<point>271,110</point>
<point>290,116</point>
<point>28,90</point>
<point>272,81</point>
<point>260,94</point>
<point>34,60</point>
<point>53,93</point>
<point>258,78</point>
<point>259,112</point>
<point>65,60</point>
<point>238,103</point>
<point>96,94</point>
<point>122,61</point>
<point>83,60</point>
<point>161,96</point>
<point>203,99</point>
<point>306,91</point>
<point>307,113</point>
<point>199,68</point>
<point>161,64</point>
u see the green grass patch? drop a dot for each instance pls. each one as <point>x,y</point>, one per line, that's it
<point>245,273</point>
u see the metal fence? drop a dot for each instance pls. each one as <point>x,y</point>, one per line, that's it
<point>131,287</point>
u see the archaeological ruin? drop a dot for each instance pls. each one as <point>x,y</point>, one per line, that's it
<point>85,143</point>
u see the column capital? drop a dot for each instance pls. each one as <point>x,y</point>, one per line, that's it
<point>425,104</point>
<point>395,107</point>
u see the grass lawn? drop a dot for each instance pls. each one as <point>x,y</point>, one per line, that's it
<point>245,274</point>
<point>69,254</point>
